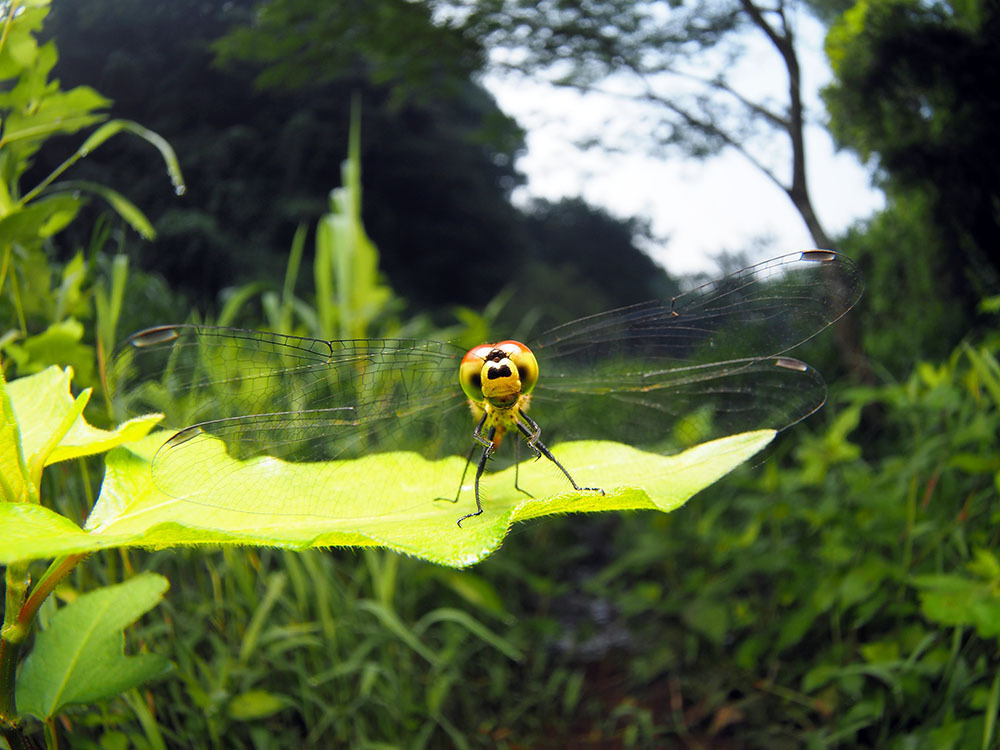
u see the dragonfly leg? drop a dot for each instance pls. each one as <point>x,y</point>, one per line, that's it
<point>458,492</point>
<point>517,466</point>
<point>487,450</point>
<point>477,434</point>
<point>540,448</point>
<point>531,431</point>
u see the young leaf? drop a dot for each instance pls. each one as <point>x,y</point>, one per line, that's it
<point>14,482</point>
<point>79,658</point>
<point>44,410</point>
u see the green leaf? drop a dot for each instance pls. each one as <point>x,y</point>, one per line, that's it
<point>14,477</point>
<point>41,219</point>
<point>256,704</point>
<point>59,344</point>
<point>80,657</point>
<point>955,600</point>
<point>112,128</point>
<point>398,512</point>
<point>26,525</point>
<point>475,590</point>
<point>102,134</point>
<point>122,205</point>
<point>20,50</point>
<point>708,617</point>
<point>44,407</point>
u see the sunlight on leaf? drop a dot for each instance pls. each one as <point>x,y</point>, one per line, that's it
<point>42,406</point>
<point>398,512</point>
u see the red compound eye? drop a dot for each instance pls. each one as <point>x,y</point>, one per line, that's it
<point>470,371</point>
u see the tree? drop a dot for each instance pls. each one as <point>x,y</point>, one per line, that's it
<point>674,57</point>
<point>262,135</point>
<point>438,170</point>
<point>915,94</point>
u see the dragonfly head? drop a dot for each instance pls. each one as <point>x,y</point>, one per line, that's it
<point>498,373</point>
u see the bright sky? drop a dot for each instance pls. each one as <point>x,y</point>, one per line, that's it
<point>698,209</point>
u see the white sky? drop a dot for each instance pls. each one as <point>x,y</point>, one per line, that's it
<point>699,209</point>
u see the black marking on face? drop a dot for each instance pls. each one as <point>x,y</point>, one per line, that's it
<point>503,371</point>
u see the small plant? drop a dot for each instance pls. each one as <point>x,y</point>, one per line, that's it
<point>33,109</point>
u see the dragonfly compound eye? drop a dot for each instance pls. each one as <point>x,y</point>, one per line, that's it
<point>470,371</point>
<point>524,361</point>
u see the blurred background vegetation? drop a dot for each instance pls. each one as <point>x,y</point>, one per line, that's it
<point>846,593</point>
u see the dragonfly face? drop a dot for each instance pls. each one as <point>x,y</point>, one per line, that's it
<point>658,375</point>
<point>498,374</point>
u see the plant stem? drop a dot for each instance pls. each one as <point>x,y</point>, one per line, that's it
<point>16,628</point>
<point>16,579</point>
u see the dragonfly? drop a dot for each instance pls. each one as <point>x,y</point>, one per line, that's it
<point>659,375</point>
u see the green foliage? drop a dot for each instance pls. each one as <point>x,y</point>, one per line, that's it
<point>838,596</point>
<point>844,594</point>
<point>33,110</point>
<point>392,43</point>
<point>911,309</point>
<point>846,602</point>
<point>260,163</point>
<point>78,657</point>
<point>44,425</point>
<point>345,254</point>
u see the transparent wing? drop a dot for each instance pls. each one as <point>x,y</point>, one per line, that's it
<point>761,311</point>
<point>703,365</point>
<point>254,394</point>
<point>671,409</point>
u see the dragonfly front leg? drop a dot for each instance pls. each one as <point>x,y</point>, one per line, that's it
<point>532,432</point>
<point>488,447</point>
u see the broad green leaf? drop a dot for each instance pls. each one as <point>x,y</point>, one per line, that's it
<point>79,658</point>
<point>382,500</point>
<point>27,526</point>
<point>19,49</point>
<point>60,112</point>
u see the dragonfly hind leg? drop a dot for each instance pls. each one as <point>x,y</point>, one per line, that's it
<point>461,482</point>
